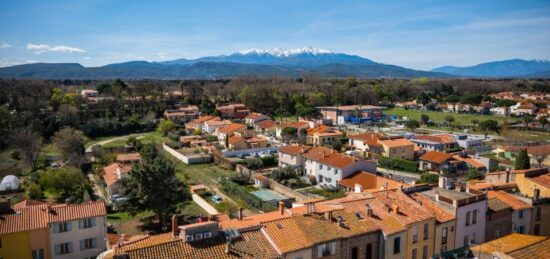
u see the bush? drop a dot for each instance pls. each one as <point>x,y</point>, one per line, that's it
<point>33,191</point>
<point>269,161</point>
<point>227,207</point>
<point>15,155</point>
<point>398,164</point>
<point>428,178</point>
<point>211,138</point>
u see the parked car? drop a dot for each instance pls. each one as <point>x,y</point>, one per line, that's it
<point>216,199</point>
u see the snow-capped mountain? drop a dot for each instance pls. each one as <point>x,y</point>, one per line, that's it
<point>306,56</point>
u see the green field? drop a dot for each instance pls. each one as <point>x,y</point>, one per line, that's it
<point>204,173</point>
<point>439,117</point>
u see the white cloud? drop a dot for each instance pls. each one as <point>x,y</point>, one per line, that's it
<point>4,45</point>
<point>87,58</point>
<point>43,48</point>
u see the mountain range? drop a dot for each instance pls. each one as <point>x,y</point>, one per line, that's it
<point>267,62</point>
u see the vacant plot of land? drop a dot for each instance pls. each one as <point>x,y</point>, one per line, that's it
<point>204,173</point>
<point>439,117</point>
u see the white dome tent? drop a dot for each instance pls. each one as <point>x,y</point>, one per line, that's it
<point>9,183</point>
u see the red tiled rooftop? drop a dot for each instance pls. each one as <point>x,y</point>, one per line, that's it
<point>436,157</point>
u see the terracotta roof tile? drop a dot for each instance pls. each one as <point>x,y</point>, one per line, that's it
<point>266,124</point>
<point>110,175</point>
<point>367,138</point>
<point>329,157</point>
<point>540,250</point>
<point>370,181</point>
<point>441,214</point>
<point>235,139</point>
<point>294,150</point>
<point>24,219</point>
<point>400,142</point>
<point>508,243</point>
<point>63,212</point>
<point>129,157</point>
<point>231,128</point>
<point>436,157</point>
<point>509,199</point>
<point>495,205</point>
<point>542,179</point>
<point>470,161</point>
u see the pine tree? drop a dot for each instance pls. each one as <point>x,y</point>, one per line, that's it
<point>522,160</point>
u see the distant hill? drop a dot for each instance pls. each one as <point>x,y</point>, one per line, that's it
<point>287,63</point>
<point>505,68</point>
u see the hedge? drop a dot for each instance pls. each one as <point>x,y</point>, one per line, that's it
<point>234,189</point>
<point>398,164</point>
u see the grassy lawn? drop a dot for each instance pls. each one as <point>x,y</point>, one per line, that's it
<point>439,117</point>
<point>204,173</point>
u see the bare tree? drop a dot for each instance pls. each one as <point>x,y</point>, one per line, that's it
<point>29,142</point>
<point>71,144</point>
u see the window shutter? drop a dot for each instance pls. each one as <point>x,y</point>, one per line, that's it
<point>333,248</point>
<point>94,242</point>
<point>80,224</point>
<point>93,222</point>
<point>56,227</point>
<point>70,247</point>
<point>69,226</point>
<point>57,249</point>
<point>320,251</point>
<point>82,245</point>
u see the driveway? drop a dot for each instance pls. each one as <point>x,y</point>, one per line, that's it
<point>107,141</point>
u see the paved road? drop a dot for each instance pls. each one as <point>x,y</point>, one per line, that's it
<point>398,175</point>
<point>107,141</point>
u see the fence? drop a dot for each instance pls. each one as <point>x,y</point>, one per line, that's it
<point>246,152</point>
<point>194,159</point>
<point>274,185</point>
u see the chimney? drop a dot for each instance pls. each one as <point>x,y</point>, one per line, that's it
<point>395,208</point>
<point>328,215</point>
<point>310,207</point>
<point>358,188</point>
<point>240,214</point>
<point>175,229</point>
<point>281,208</point>
<point>508,169</point>
<point>227,244</point>
<point>437,195</point>
<point>67,201</point>
<point>370,213</point>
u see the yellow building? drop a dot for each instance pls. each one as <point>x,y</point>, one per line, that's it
<point>535,185</point>
<point>398,148</point>
<point>323,135</point>
<point>24,232</point>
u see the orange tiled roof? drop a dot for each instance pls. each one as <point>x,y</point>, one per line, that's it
<point>128,157</point>
<point>254,116</point>
<point>509,199</point>
<point>202,119</point>
<point>63,212</point>
<point>294,150</point>
<point>235,139</point>
<point>507,244</point>
<point>254,220</point>
<point>323,130</point>
<point>441,138</point>
<point>470,161</point>
<point>412,212</point>
<point>231,128</point>
<point>436,157</point>
<point>441,214</point>
<point>542,179</point>
<point>367,138</point>
<point>266,124</point>
<point>400,142</point>
<point>540,250</point>
<point>298,125</point>
<point>370,182</point>
<point>329,157</point>
<point>110,175</point>
<point>495,204</point>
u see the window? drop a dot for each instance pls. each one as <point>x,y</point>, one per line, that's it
<point>355,253</point>
<point>467,218</point>
<point>328,180</point>
<point>64,248</point>
<point>425,252</point>
<point>326,249</point>
<point>426,231</point>
<point>38,254</point>
<point>452,228</point>
<point>86,223</point>
<point>521,229</point>
<point>415,234</point>
<point>497,233</point>
<point>320,167</point>
<point>207,234</point>
<point>536,229</point>
<point>466,240</point>
<point>520,214</point>
<point>414,253</point>
<point>443,249</point>
<point>444,236</point>
<point>320,178</point>
<point>335,171</point>
<point>474,218</point>
<point>62,227</point>
<point>397,245</point>
<point>537,193</point>
<point>88,243</point>
<point>473,240</point>
<point>0,242</point>
<point>369,251</point>
<point>188,238</point>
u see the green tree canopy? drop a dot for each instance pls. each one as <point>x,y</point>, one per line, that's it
<point>65,183</point>
<point>522,160</point>
<point>412,124</point>
<point>152,185</point>
<point>488,125</point>
<point>165,126</point>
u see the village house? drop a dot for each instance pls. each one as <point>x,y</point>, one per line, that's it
<point>293,156</point>
<point>370,182</point>
<point>435,161</point>
<point>523,108</point>
<point>499,219</point>
<point>468,209</point>
<point>87,93</point>
<point>234,111</point>
<point>210,126</point>
<point>183,114</point>
<point>197,123</point>
<point>128,158</point>
<point>323,135</point>
<point>224,133</point>
<point>439,142</point>
<point>254,118</point>
<point>35,229</point>
<point>522,211</point>
<point>113,173</point>
<point>329,167</point>
<point>354,114</point>
<point>300,126</point>
<point>367,142</point>
<point>400,148</point>
<point>264,126</point>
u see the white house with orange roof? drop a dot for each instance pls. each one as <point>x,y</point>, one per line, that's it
<point>254,118</point>
<point>323,135</point>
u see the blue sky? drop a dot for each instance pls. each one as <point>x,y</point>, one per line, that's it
<point>411,33</point>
